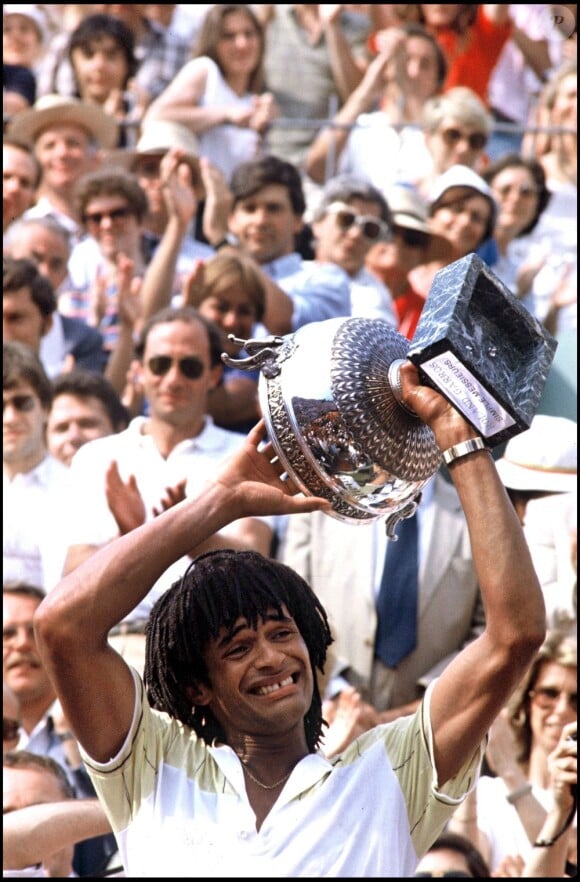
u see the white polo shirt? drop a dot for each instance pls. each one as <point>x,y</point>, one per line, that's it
<point>179,808</point>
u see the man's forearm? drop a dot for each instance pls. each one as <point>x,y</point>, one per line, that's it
<point>33,833</point>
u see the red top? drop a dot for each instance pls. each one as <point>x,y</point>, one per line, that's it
<point>472,56</point>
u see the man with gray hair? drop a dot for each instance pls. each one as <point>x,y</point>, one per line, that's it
<point>350,218</point>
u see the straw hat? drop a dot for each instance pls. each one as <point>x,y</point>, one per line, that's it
<point>54,110</point>
<point>409,210</point>
<point>543,458</point>
<point>156,139</point>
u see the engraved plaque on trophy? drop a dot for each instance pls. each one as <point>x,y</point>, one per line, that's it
<point>482,349</point>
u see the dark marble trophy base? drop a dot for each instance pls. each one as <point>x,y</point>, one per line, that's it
<point>482,349</point>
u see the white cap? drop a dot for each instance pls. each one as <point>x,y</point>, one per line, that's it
<point>32,11</point>
<point>463,176</point>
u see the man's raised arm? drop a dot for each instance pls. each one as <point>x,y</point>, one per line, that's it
<point>477,683</point>
<point>94,684</point>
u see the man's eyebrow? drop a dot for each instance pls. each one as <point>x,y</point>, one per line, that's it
<point>269,617</point>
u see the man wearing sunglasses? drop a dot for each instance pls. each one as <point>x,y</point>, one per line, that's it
<point>351,217</point>
<point>123,480</point>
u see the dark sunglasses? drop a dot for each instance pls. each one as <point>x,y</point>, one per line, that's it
<point>546,697</point>
<point>372,228</point>
<point>476,141</point>
<point>190,366</point>
<point>96,217</point>
<point>10,729</point>
<point>446,874</point>
<point>412,238</point>
<point>21,403</point>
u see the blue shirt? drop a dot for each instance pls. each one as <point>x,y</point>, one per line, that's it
<point>319,291</point>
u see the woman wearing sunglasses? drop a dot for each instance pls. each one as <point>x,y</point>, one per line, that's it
<point>456,127</point>
<point>505,814</point>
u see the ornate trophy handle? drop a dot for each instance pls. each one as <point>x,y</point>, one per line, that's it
<point>260,350</point>
<point>407,511</point>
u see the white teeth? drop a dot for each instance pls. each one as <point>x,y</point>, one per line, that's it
<point>266,690</point>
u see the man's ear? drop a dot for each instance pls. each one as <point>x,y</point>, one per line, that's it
<point>199,694</point>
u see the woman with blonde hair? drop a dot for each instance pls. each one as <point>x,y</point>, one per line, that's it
<point>219,95</point>
<point>228,289</point>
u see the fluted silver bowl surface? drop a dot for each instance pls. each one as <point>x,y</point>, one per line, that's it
<point>336,425</point>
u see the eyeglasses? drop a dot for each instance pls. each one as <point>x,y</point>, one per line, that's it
<point>21,403</point>
<point>115,214</point>
<point>372,228</point>
<point>546,697</point>
<point>526,191</point>
<point>190,366</point>
<point>476,141</point>
<point>10,729</point>
<point>444,874</point>
<point>412,238</point>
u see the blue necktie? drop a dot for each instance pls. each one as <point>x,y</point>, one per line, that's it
<point>396,633</point>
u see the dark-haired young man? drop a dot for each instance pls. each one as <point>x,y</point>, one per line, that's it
<point>266,217</point>
<point>30,315</point>
<point>213,764</point>
<point>85,406</point>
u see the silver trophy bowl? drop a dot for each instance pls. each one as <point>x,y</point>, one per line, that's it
<point>330,396</point>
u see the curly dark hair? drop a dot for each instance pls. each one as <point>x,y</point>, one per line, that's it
<point>217,589</point>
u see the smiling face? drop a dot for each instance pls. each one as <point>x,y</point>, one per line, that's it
<point>265,223</point>
<point>239,48</point>
<point>553,703</point>
<point>174,398</point>
<point>516,194</point>
<point>462,217</point>
<point>73,420</point>
<point>261,679</point>
<point>21,40</point>
<point>65,154</point>
<point>111,221</point>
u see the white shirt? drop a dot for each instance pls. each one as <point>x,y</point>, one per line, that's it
<point>180,808</point>
<point>32,510</point>
<point>380,154</point>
